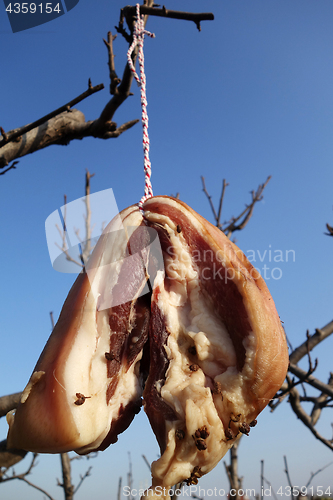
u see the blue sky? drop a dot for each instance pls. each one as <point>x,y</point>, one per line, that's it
<point>249,96</point>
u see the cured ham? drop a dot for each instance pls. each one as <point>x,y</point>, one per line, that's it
<point>86,386</point>
<point>170,314</point>
<point>217,348</point>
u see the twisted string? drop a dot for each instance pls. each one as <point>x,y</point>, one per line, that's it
<point>138,38</point>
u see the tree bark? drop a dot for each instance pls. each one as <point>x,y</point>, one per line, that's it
<point>66,476</point>
<point>61,130</point>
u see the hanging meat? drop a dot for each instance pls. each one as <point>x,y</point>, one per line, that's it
<point>168,312</point>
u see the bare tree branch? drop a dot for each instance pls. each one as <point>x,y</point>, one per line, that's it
<point>231,226</point>
<point>313,474</point>
<point>309,379</point>
<point>64,245</point>
<point>66,124</point>
<point>224,185</point>
<point>130,476</point>
<point>294,399</point>
<point>114,79</point>
<point>320,402</point>
<point>304,378</point>
<point>15,135</point>
<point>23,477</point>
<point>86,246</point>
<point>8,458</point>
<point>122,91</point>
<point>146,462</point>
<point>66,476</point>
<point>235,482</point>
<point>119,488</point>
<point>60,130</point>
<point>246,215</point>
<point>8,403</point>
<point>172,14</point>
<point>320,335</point>
<point>210,202</point>
<point>286,470</point>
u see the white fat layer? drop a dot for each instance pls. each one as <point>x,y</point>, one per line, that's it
<point>192,321</point>
<point>86,373</point>
<point>85,370</point>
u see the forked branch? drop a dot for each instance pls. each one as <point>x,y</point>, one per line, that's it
<point>294,399</point>
<point>128,12</point>
<point>235,223</point>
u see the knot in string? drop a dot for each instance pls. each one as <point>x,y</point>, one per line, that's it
<point>138,38</point>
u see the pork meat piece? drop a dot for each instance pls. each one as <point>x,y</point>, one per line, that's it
<point>218,352</point>
<point>167,309</point>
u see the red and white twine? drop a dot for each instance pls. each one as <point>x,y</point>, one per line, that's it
<point>138,37</point>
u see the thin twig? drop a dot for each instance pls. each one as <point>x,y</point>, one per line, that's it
<point>119,488</point>
<point>82,478</point>
<point>271,488</point>
<point>219,213</point>
<point>313,474</point>
<point>87,248</point>
<point>52,319</point>
<point>38,488</point>
<point>286,470</point>
<point>146,462</point>
<point>63,235</point>
<point>114,79</point>
<point>13,165</point>
<point>22,477</point>
<point>233,224</point>
<point>210,201</point>
<point>247,212</point>
<point>130,476</point>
